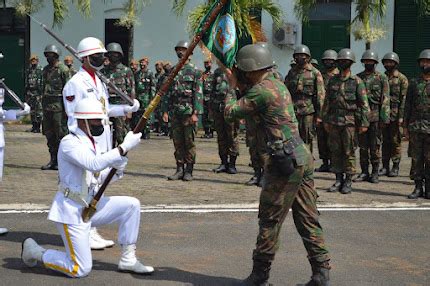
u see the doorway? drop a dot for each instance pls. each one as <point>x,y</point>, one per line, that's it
<point>120,35</point>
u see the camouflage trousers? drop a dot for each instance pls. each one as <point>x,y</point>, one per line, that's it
<point>307,129</point>
<point>256,148</point>
<point>370,145</point>
<point>391,143</point>
<point>343,142</point>
<point>144,102</point>
<point>36,112</point>
<point>227,135</point>
<point>322,137</point>
<point>207,121</point>
<point>419,149</point>
<point>278,195</point>
<point>120,129</point>
<point>183,139</point>
<point>54,127</point>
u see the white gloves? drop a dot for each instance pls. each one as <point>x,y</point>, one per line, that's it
<point>120,167</point>
<point>131,140</point>
<point>134,108</point>
<point>23,112</point>
<point>1,114</point>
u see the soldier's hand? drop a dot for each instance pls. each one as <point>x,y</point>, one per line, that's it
<point>362,130</point>
<point>165,117</point>
<point>194,118</point>
<point>406,133</point>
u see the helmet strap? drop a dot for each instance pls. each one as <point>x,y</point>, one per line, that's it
<point>88,128</point>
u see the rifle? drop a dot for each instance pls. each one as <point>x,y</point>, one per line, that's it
<point>89,211</point>
<point>15,98</point>
<point>104,79</point>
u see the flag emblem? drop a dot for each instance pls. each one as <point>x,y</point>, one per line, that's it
<point>224,35</point>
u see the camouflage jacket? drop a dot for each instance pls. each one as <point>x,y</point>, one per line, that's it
<point>186,93</point>
<point>207,80</point>
<point>157,77</point>
<point>54,78</point>
<point>306,86</point>
<point>33,82</point>
<point>145,83</point>
<point>327,75</point>
<point>72,71</point>
<point>378,95</point>
<point>398,90</point>
<point>123,78</point>
<point>417,106</point>
<point>220,89</point>
<point>346,102</point>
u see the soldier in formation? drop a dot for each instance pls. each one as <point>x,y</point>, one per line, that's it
<point>134,66</point>
<point>417,127</point>
<point>33,93</point>
<point>207,81</point>
<point>345,112</point>
<point>123,78</point>
<point>378,94</point>
<point>391,134</point>
<point>328,58</point>
<point>288,177</point>
<point>54,124</point>
<point>68,62</point>
<point>185,104</point>
<point>158,115</point>
<point>306,85</point>
<point>164,104</point>
<point>227,132</point>
<point>145,91</point>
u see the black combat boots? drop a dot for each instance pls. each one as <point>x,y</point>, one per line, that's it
<point>223,167</point>
<point>384,171</point>
<point>364,175</point>
<point>179,174</point>
<point>338,184</point>
<point>259,275</point>
<point>418,191</point>
<point>325,167</point>
<point>320,277</point>
<point>188,174</point>
<point>395,170</point>
<point>347,185</point>
<point>231,169</point>
<point>52,164</point>
<point>255,180</point>
<point>374,177</point>
<point>36,127</point>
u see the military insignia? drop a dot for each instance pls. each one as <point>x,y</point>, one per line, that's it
<point>70,98</point>
<point>90,90</point>
<point>224,35</point>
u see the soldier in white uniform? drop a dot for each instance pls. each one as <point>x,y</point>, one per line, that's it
<point>7,115</point>
<point>85,83</point>
<point>82,168</point>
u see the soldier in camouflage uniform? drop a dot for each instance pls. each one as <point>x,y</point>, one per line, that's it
<point>417,127</point>
<point>378,93</point>
<point>33,93</point>
<point>227,132</point>
<point>345,112</point>
<point>288,177</point>
<point>207,80</point>
<point>54,124</point>
<point>68,62</point>
<point>329,58</point>
<point>158,114</point>
<point>164,104</point>
<point>145,91</point>
<point>134,66</point>
<point>307,90</point>
<point>123,78</point>
<point>185,103</point>
<point>391,135</point>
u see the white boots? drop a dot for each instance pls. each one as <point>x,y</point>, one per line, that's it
<point>97,242</point>
<point>3,230</point>
<point>129,262</point>
<point>31,252</point>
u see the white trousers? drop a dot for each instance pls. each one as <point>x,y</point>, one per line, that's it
<point>77,260</point>
<point>1,162</point>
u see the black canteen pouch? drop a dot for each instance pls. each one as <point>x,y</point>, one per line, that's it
<point>282,155</point>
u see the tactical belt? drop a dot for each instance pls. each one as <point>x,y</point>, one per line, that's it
<point>74,196</point>
<point>292,143</point>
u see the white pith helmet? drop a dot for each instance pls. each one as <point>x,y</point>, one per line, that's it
<point>89,108</point>
<point>89,46</point>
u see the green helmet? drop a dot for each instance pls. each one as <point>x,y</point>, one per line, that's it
<point>346,54</point>
<point>391,56</point>
<point>52,49</point>
<point>314,62</point>
<point>425,54</point>
<point>182,44</point>
<point>329,55</point>
<point>302,49</point>
<point>370,55</point>
<point>114,47</point>
<point>254,57</point>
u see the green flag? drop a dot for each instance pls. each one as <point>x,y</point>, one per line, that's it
<point>222,38</point>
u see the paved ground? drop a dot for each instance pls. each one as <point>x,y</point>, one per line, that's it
<point>153,161</point>
<point>368,248</point>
